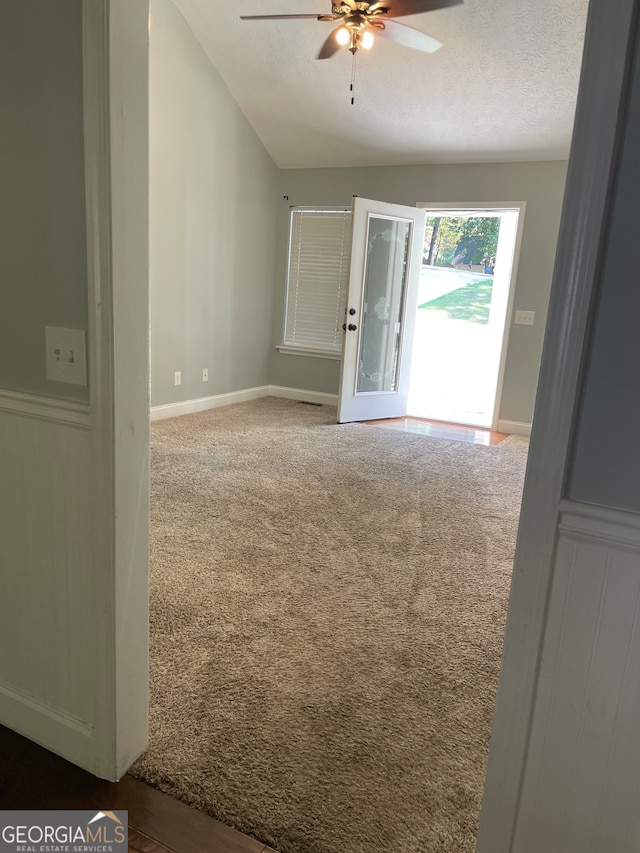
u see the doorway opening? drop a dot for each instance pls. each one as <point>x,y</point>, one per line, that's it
<point>464,295</point>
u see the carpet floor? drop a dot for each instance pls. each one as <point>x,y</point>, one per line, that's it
<point>327,612</point>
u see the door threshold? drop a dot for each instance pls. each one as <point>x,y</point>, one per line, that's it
<point>441,429</point>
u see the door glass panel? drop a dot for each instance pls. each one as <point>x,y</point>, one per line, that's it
<point>388,242</point>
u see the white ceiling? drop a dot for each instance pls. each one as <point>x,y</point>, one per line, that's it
<point>503,87</point>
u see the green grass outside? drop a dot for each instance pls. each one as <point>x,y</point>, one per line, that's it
<point>470,303</point>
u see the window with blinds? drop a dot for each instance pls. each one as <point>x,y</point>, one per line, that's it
<point>319,252</point>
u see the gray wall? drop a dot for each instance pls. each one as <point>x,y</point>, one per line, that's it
<point>212,225</point>
<point>43,269</point>
<point>606,460</point>
<point>541,185</point>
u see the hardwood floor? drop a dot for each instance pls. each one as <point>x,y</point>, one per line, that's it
<point>439,429</point>
<point>34,778</point>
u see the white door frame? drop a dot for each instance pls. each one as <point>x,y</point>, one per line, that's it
<point>494,207</point>
<point>599,124</point>
<point>115,38</point>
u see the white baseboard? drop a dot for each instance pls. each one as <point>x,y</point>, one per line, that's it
<point>303,396</point>
<point>514,428</point>
<point>27,704</point>
<point>51,727</point>
<point>202,404</point>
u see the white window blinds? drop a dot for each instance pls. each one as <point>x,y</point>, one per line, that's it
<point>319,250</point>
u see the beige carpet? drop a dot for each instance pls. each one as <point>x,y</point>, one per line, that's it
<point>327,611</point>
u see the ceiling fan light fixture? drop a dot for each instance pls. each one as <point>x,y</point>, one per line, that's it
<point>358,20</point>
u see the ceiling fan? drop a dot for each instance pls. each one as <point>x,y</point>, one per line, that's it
<point>359,21</point>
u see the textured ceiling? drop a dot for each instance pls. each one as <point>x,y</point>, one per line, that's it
<point>502,88</point>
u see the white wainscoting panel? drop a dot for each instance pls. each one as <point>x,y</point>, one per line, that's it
<point>47,636</point>
<point>582,780</point>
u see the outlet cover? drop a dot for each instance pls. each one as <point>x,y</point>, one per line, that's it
<point>66,355</point>
<point>177,378</point>
<point>205,374</point>
<point>525,318</point>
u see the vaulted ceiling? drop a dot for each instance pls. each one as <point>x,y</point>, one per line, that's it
<point>503,87</point>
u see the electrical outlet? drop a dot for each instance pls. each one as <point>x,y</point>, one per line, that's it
<point>205,374</point>
<point>177,378</point>
<point>66,355</point>
<point>525,318</point>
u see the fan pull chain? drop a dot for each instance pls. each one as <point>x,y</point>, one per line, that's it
<point>352,87</point>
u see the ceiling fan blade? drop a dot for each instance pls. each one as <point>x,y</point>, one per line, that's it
<point>330,46</point>
<point>398,8</point>
<point>281,17</point>
<point>407,36</point>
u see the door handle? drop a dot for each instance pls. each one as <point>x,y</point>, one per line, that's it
<point>352,311</point>
<point>352,327</point>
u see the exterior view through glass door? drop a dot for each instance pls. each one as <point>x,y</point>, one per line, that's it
<point>382,296</point>
<point>463,298</point>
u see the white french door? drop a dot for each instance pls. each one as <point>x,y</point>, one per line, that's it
<point>386,256</point>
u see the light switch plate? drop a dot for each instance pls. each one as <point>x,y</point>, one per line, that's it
<point>66,355</point>
<point>525,318</point>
